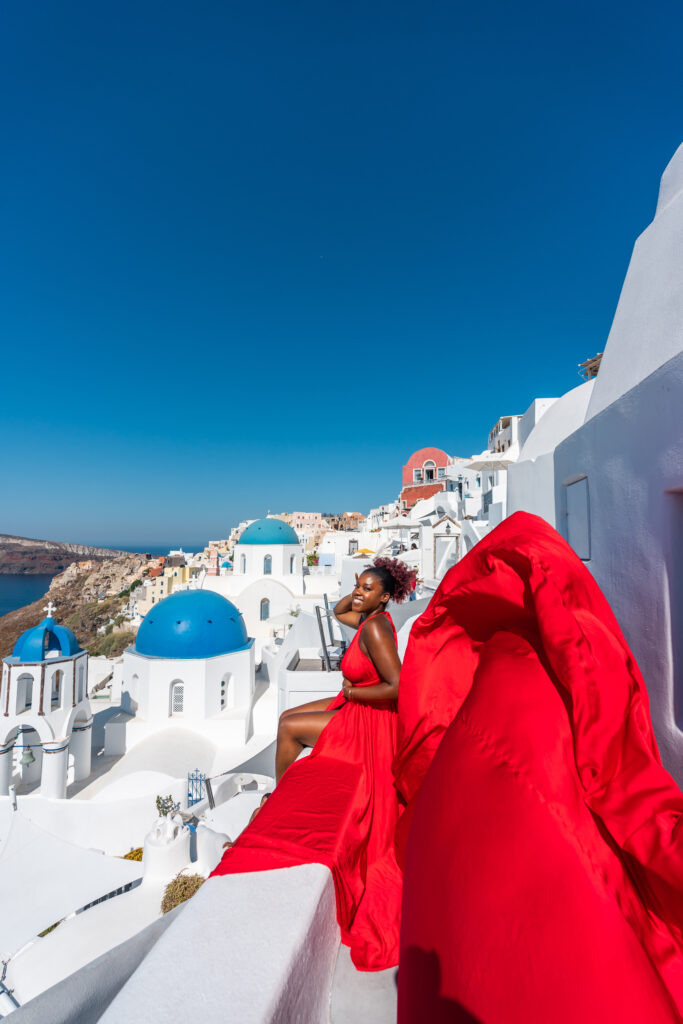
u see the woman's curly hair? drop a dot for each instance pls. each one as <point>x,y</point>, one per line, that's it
<point>397,577</point>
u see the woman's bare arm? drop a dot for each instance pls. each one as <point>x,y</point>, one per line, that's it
<point>378,639</point>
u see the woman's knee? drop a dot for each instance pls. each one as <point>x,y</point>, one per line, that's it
<point>286,724</point>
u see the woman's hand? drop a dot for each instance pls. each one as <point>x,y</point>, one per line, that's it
<point>346,688</point>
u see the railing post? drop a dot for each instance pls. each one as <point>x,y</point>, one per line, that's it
<point>329,619</point>
<point>326,653</point>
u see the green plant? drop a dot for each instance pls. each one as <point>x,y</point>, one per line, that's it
<point>166,805</point>
<point>182,888</point>
<point>112,645</point>
<point>312,559</point>
<point>135,854</point>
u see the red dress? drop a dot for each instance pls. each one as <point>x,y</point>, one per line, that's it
<point>339,807</point>
<point>544,863</point>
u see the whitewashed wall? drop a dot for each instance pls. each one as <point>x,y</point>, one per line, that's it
<point>625,465</point>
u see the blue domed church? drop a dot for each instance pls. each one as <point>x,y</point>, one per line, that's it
<point>192,664</point>
<point>266,578</point>
<point>45,716</point>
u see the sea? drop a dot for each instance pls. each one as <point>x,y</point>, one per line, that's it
<point>18,590</point>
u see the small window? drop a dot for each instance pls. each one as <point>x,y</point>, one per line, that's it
<point>441,472</point>
<point>265,609</point>
<point>291,563</point>
<point>177,698</point>
<point>417,476</point>
<point>353,547</point>
<point>243,563</point>
<point>267,565</point>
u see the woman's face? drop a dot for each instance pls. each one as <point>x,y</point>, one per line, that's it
<point>368,595</point>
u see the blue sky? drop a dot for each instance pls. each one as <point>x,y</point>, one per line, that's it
<point>254,255</point>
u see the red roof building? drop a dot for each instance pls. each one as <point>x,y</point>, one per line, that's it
<point>424,474</point>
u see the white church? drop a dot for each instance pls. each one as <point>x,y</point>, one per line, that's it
<point>45,712</point>
<point>267,580</point>
<point>192,667</point>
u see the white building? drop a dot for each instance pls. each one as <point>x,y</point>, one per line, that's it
<point>267,580</point>
<point>192,667</point>
<point>44,704</point>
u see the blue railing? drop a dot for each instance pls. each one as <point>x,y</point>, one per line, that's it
<point>196,787</point>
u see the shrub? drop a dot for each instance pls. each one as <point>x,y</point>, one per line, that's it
<point>182,888</point>
<point>112,645</point>
<point>135,854</point>
<point>165,805</point>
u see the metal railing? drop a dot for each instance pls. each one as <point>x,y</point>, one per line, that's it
<point>339,646</point>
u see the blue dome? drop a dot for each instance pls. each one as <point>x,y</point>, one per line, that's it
<point>269,531</point>
<point>46,639</point>
<point>192,624</point>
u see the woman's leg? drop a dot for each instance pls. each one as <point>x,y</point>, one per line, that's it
<point>297,730</point>
<point>313,705</point>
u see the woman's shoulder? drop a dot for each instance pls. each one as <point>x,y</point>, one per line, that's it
<point>378,626</point>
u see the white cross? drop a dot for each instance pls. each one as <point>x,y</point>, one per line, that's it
<point>50,608</point>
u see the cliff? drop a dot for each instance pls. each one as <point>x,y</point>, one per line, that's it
<point>86,599</point>
<point>26,555</point>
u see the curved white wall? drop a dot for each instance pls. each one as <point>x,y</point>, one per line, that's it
<point>632,457</point>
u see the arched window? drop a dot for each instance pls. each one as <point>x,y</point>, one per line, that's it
<point>243,563</point>
<point>177,697</point>
<point>57,680</point>
<point>265,609</point>
<point>81,682</point>
<point>267,565</point>
<point>291,563</point>
<point>24,691</point>
<point>429,471</point>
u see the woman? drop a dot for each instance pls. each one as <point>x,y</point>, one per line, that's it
<point>371,667</point>
<point>339,806</point>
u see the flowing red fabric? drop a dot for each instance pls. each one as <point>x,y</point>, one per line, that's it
<point>542,842</point>
<point>339,807</point>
